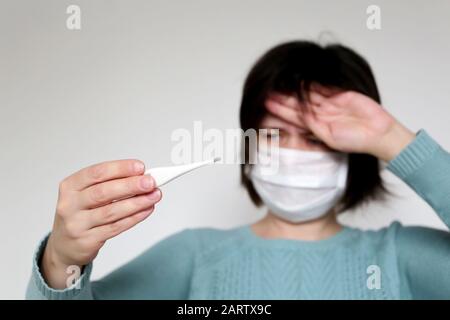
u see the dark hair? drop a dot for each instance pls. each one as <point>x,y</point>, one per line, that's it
<point>291,68</point>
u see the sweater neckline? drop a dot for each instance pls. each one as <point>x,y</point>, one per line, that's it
<point>336,239</point>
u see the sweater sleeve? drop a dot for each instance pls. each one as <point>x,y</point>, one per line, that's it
<point>423,254</point>
<point>161,272</point>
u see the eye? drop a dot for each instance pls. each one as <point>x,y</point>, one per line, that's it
<point>274,133</point>
<point>313,140</point>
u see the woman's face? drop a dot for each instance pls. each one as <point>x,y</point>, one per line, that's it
<point>291,136</point>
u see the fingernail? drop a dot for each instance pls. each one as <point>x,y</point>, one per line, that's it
<point>146,182</point>
<point>155,195</point>
<point>139,167</point>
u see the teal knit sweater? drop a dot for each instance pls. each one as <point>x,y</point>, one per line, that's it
<point>396,262</point>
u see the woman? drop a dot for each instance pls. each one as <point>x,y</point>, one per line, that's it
<point>332,133</point>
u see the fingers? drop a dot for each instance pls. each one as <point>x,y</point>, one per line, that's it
<point>316,98</point>
<point>355,103</point>
<point>103,172</point>
<point>288,114</point>
<point>108,231</point>
<point>325,106</point>
<point>327,111</point>
<point>324,91</point>
<point>318,127</point>
<point>121,209</point>
<point>104,193</point>
<point>285,100</point>
<point>344,98</point>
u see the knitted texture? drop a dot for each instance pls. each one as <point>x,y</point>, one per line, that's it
<point>395,262</point>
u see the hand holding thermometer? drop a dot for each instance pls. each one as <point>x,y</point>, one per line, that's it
<point>163,175</point>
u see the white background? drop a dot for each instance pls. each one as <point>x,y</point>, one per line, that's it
<point>137,70</point>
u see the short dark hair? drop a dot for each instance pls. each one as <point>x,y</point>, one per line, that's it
<point>291,68</point>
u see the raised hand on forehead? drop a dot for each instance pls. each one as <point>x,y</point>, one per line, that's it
<point>346,121</point>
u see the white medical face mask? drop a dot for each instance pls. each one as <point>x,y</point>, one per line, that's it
<point>299,185</point>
